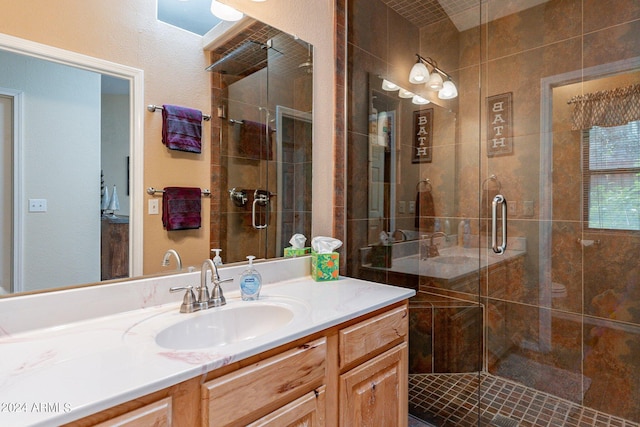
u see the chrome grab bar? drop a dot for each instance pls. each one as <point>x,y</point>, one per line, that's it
<point>494,224</point>
<point>260,197</point>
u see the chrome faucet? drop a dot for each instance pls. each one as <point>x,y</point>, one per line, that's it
<point>216,299</point>
<point>202,301</point>
<point>431,251</point>
<point>167,255</point>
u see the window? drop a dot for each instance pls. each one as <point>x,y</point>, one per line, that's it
<point>611,177</point>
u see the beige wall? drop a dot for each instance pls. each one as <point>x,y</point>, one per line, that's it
<point>127,32</point>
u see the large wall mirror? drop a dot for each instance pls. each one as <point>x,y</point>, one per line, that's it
<point>72,128</point>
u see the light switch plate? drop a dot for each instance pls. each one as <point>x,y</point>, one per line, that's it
<point>412,206</point>
<point>37,205</point>
<point>402,206</point>
<point>153,207</point>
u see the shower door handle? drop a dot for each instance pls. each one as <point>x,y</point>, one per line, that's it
<point>498,199</point>
<point>261,198</point>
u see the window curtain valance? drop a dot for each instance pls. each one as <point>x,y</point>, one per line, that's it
<point>606,108</point>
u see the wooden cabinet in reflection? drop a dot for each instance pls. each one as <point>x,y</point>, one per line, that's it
<point>114,248</point>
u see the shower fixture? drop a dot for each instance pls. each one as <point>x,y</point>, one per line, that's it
<point>308,64</point>
<point>435,80</point>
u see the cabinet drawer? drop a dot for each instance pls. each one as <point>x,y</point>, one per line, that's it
<point>359,340</point>
<point>306,411</point>
<point>229,399</point>
<point>155,414</point>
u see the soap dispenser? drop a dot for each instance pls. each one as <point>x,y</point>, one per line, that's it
<point>217,261</point>
<point>250,282</point>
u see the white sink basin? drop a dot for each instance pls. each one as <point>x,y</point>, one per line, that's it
<point>234,323</point>
<point>222,327</point>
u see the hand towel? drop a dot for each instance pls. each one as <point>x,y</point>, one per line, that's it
<point>252,142</point>
<point>182,128</point>
<point>425,211</point>
<point>181,208</point>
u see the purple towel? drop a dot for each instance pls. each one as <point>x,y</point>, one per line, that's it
<point>181,208</point>
<point>253,141</point>
<point>182,128</point>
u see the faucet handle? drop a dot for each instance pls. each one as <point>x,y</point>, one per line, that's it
<point>189,301</point>
<point>217,297</point>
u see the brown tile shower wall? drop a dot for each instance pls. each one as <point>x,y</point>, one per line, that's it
<point>594,332</point>
<point>376,46</point>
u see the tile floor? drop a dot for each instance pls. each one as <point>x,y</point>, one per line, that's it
<point>452,400</point>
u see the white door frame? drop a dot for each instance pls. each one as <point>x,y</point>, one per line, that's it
<point>135,77</point>
<point>16,249</point>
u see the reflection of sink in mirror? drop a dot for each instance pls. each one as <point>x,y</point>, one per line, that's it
<point>214,327</point>
<point>453,259</point>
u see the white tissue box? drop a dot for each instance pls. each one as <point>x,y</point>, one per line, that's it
<point>325,267</point>
<point>294,252</point>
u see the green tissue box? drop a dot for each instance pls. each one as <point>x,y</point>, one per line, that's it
<point>325,267</point>
<point>294,252</point>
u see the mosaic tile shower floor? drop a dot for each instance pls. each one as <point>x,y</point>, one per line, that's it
<point>452,400</point>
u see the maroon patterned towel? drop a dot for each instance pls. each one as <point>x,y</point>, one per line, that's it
<point>182,128</point>
<point>181,208</point>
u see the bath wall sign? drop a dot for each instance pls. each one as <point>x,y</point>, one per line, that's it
<point>423,136</point>
<point>500,125</point>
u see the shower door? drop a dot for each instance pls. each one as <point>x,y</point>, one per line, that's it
<point>267,134</point>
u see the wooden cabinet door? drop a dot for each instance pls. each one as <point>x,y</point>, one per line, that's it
<point>156,414</point>
<point>374,394</point>
<point>307,411</point>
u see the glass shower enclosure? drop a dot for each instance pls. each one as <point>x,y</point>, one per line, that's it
<point>512,208</point>
<point>262,82</point>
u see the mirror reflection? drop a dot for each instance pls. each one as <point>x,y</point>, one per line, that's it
<point>65,186</point>
<point>412,159</point>
<point>264,102</point>
<point>67,209</point>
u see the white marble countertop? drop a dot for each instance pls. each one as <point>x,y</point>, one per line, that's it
<point>53,375</point>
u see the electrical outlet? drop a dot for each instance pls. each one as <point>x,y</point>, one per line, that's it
<point>153,206</point>
<point>412,206</point>
<point>402,205</point>
<point>37,205</point>
<point>513,208</point>
<point>527,208</point>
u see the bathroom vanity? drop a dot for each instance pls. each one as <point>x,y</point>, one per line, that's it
<point>322,353</point>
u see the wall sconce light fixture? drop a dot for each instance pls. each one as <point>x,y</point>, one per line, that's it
<point>436,79</point>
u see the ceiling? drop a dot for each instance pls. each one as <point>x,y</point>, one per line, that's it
<point>192,15</point>
<point>464,14</point>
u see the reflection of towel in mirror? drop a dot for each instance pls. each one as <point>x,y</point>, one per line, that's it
<point>181,208</point>
<point>182,128</point>
<point>425,211</point>
<point>252,142</point>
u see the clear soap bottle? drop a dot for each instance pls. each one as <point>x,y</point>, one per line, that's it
<point>250,282</point>
<point>217,260</point>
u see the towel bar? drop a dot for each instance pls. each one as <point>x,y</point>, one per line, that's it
<point>153,109</point>
<point>153,191</point>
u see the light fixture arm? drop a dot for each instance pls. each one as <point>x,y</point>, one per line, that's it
<point>433,64</point>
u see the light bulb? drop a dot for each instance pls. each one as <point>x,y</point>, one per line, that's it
<point>419,73</point>
<point>405,93</point>
<point>224,12</point>
<point>448,91</point>
<point>435,81</point>
<point>389,86</point>
<point>418,100</point>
